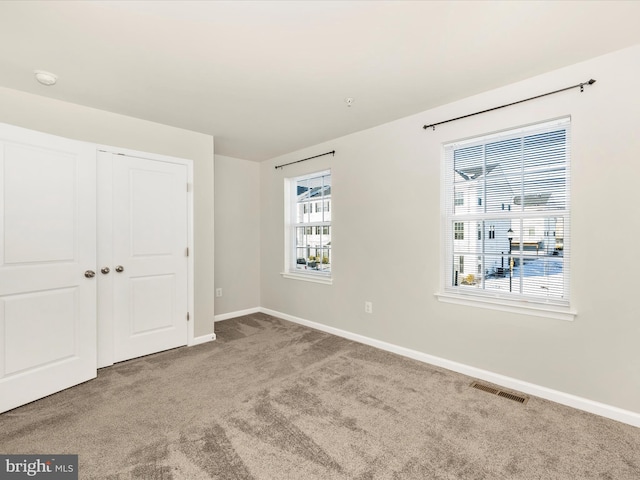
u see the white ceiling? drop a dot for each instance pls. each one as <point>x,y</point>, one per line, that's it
<point>269,77</point>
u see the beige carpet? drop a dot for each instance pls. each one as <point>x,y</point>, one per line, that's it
<point>274,400</point>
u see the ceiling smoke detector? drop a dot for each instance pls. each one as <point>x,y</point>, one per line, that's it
<point>45,78</point>
<point>348,101</point>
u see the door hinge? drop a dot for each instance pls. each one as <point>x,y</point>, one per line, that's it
<point>187,316</point>
<point>187,254</point>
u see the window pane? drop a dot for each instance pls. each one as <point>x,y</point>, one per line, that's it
<point>496,234</point>
<point>326,198</point>
<point>302,205</point>
<point>468,166</point>
<point>458,231</point>
<point>545,150</point>
<point>465,237</point>
<point>496,272</point>
<point>543,190</point>
<point>324,260</point>
<point>301,237</point>
<point>301,258</point>
<point>541,276</point>
<point>301,248</point>
<point>316,194</point>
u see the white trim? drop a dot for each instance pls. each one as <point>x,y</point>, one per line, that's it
<point>209,337</point>
<point>237,313</point>
<point>525,308</point>
<point>602,409</point>
<point>308,277</point>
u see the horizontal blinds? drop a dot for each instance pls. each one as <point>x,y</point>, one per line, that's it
<point>507,214</point>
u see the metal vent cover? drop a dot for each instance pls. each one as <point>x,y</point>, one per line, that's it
<point>516,397</point>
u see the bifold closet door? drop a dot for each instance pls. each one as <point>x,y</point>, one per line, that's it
<point>149,267</point>
<point>47,265</point>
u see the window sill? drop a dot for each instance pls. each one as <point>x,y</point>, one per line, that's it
<point>314,278</point>
<point>521,307</point>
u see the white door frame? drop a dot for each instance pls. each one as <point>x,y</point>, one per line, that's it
<point>105,230</point>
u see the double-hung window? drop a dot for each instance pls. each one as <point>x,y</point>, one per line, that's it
<point>521,250</point>
<point>308,226</point>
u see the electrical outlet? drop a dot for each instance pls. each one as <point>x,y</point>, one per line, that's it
<point>368,307</point>
<point>218,292</point>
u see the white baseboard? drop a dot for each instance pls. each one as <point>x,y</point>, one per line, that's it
<point>239,313</point>
<point>209,337</point>
<point>602,409</point>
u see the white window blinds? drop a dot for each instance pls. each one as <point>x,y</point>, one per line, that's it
<point>512,188</point>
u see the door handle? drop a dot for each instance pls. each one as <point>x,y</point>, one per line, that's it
<point>119,269</point>
<point>89,274</point>
<point>105,270</point>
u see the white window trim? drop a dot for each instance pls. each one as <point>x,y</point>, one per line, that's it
<point>323,278</point>
<point>524,307</point>
<point>289,271</point>
<point>486,300</point>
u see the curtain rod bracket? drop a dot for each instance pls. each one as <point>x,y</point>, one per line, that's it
<point>590,82</point>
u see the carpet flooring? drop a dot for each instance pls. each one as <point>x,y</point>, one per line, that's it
<point>274,400</point>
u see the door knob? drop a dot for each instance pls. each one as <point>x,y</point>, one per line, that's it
<point>89,274</point>
<point>105,270</point>
<point>119,269</point>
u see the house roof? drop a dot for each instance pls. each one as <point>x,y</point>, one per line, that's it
<point>305,193</point>
<point>473,173</point>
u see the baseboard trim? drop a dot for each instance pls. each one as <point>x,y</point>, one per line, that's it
<point>580,403</point>
<point>239,313</point>
<point>209,337</point>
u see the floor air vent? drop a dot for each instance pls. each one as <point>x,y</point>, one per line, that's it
<point>495,391</point>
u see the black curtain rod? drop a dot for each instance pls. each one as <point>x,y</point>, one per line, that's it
<point>333,152</point>
<point>581,85</point>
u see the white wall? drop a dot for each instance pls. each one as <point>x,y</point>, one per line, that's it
<point>237,237</point>
<point>386,237</point>
<point>91,125</point>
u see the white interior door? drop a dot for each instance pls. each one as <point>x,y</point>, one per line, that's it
<point>47,243</point>
<point>150,264</point>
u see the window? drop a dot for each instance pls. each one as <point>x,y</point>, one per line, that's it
<point>308,225</point>
<point>459,199</point>
<point>521,180</point>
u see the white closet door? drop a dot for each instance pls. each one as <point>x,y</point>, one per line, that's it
<point>47,243</point>
<point>150,239</point>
